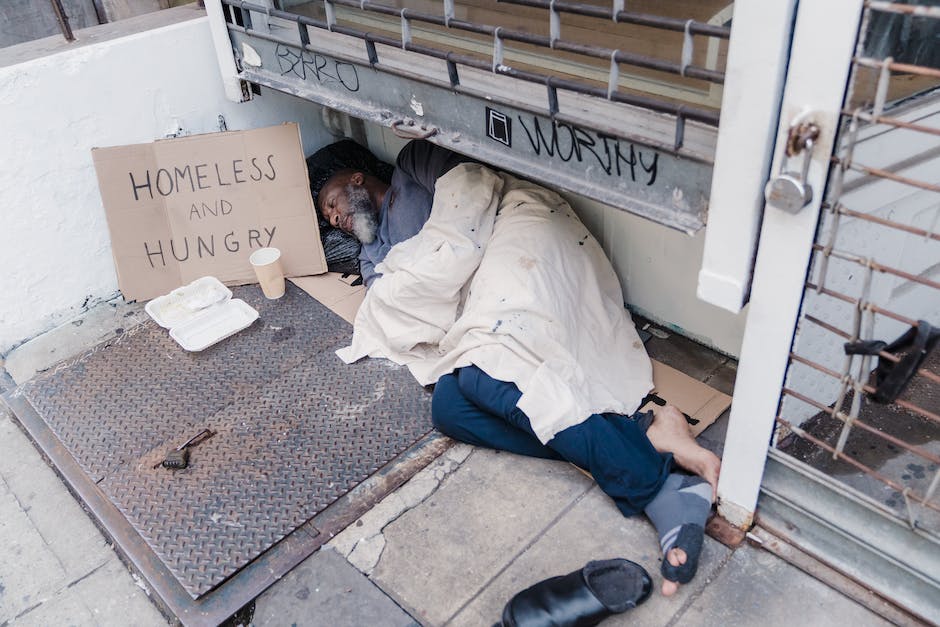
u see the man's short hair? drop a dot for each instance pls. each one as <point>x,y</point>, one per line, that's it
<point>341,249</point>
<point>334,158</point>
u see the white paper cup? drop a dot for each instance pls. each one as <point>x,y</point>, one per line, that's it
<point>267,265</point>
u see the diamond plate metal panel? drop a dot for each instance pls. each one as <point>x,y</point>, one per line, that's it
<point>295,430</point>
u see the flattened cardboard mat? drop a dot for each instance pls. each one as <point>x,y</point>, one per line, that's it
<point>701,403</point>
<point>336,291</point>
<point>179,209</point>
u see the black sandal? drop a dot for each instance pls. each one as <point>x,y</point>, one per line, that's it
<point>582,598</point>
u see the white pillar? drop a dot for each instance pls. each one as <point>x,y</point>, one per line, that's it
<point>820,60</point>
<point>235,89</point>
<point>750,105</point>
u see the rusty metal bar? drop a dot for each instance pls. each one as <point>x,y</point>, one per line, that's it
<point>889,121</point>
<point>628,17</point>
<point>874,265</point>
<point>532,77</point>
<point>637,60</point>
<point>881,354</point>
<point>843,417</point>
<point>838,331</point>
<point>561,117</point>
<point>63,20</point>
<point>881,87</point>
<point>854,301</point>
<point>885,222</point>
<point>891,66</point>
<point>820,368</point>
<point>911,407</point>
<point>706,116</point>
<point>930,187</point>
<point>857,464</point>
<point>904,9</point>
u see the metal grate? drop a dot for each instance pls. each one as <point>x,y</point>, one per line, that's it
<point>343,16</point>
<point>620,106</point>
<point>295,430</point>
<point>875,276</point>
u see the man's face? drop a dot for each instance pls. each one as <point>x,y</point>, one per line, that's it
<point>345,203</point>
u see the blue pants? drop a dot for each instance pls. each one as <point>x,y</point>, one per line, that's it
<point>470,406</point>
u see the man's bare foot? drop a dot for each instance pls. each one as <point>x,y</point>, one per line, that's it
<point>670,433</point>
<point>676,557</point>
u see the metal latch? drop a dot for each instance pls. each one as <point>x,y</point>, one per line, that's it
<point>406,128</point>
<point>178,458</point>
<point>789,190</point>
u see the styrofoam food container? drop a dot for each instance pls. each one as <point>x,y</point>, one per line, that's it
<point>214,324</point>
<point>200,314</point>
<point>184,302</point>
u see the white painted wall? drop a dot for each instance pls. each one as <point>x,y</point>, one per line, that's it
<point>55,251</point>
<point>658,267</point>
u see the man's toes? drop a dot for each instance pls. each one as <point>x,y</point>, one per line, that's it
<point>669,588</point>
<point>677,557</point>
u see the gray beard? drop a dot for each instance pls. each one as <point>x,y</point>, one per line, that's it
<point>364,222</point>
<point>364,227</point>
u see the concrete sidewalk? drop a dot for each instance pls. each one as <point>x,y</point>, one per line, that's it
<point>449,547</point>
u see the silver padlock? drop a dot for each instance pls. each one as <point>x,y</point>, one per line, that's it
<point>790,191</point>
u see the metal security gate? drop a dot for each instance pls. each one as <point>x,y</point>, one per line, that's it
<point>620,105</point>
<point>853,473</point>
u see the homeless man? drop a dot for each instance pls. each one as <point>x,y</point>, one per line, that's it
<point>501,297</point>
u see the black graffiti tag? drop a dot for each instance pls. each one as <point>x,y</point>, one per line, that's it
<point>567,142</point>
<point>304,65</point>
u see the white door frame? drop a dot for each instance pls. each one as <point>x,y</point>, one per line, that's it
<point>755,72</point>
<point>824,41</point>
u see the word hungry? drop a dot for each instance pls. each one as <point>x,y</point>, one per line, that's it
<point>205,247</point>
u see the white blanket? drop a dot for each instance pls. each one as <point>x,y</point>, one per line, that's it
<point>504,276</point>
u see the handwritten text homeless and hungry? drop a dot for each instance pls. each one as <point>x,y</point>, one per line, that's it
<point>165,182</point>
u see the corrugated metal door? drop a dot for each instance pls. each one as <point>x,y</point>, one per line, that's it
<point>620,104</point>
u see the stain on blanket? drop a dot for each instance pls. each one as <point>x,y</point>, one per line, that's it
<point>527,263</point>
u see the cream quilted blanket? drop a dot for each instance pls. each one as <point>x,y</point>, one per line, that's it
<point>505,276</point>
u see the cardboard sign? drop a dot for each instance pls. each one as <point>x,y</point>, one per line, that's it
<point>179,209</point>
